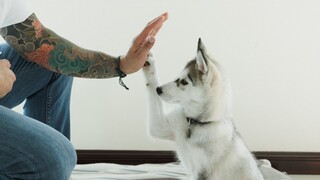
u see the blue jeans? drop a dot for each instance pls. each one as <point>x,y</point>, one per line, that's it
<point>29,147</point>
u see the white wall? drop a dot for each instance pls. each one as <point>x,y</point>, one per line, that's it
<point>269,49</point>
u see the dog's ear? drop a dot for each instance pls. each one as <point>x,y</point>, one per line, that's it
<point>200,58</point>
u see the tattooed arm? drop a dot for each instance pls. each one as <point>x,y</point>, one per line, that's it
<point>39,44</point>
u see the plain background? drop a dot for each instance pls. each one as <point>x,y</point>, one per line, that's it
<point>269,50</point>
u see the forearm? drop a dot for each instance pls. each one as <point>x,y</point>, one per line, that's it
<point>39,44</point>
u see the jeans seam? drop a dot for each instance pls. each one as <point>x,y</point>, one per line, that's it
<point>48,104</point>
<point>48,109</point>
<point>27,70</point>
<point>23,157</point>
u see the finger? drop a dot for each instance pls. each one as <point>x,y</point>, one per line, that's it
<point>151,27</point>
<point>150,30</point>
<point>5,63</point>
<point>155,32</point>
<point>12,76</point>
<point>145,49</point>
<point>155,25</point>
<point>165,15</point>
<point>142,37</point>
<point>135,46</point>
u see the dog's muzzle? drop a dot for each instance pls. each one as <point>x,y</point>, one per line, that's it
<point>159,90</point>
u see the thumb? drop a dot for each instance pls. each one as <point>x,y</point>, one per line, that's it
<point>5,63</point>
<point>147,46</point>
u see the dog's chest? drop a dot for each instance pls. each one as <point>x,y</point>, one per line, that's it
<point>192,139</point>
<point>193,124</point>
<point>192,132</point>
<point>200,147</point>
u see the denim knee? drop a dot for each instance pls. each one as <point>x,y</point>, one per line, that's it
<point>54,159</point>
<point>31,150</point>
<point>53,164</point>
<point>61,160</point>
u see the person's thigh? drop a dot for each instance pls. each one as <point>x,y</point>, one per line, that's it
<point>32,150</point>
<point>47,94</point>
<point>30,77</point>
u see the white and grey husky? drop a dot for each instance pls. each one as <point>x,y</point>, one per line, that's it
<point>207,142</point>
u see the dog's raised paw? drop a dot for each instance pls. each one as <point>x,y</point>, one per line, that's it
<point>150,54</point>
<point>147,63</point>
<point>149,68</point>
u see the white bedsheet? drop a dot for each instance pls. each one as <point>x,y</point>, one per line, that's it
<point>167,171</point>
<point>119,172</point>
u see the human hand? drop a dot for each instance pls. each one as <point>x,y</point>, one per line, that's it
<point>138,52</point>
<point>7,77</point>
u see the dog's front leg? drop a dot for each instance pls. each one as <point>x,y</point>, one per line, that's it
<point>158,125</point>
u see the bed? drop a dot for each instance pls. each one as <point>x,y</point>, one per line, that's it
<point>100,171</point>
<point>147,164</point>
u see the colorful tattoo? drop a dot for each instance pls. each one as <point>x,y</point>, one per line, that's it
<point>41,45</point>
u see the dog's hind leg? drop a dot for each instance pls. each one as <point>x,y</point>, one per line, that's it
<point>158,125</point>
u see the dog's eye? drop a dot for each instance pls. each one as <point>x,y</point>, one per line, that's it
<point>183,82</point>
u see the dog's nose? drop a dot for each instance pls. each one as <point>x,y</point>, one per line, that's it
<point>159,90</point>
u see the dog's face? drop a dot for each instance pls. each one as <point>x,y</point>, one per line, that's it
<point>196,83</point>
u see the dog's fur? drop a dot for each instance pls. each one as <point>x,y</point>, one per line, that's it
<point>206,139</point>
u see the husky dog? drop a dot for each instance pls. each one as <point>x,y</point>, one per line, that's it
<point>207,142</point>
